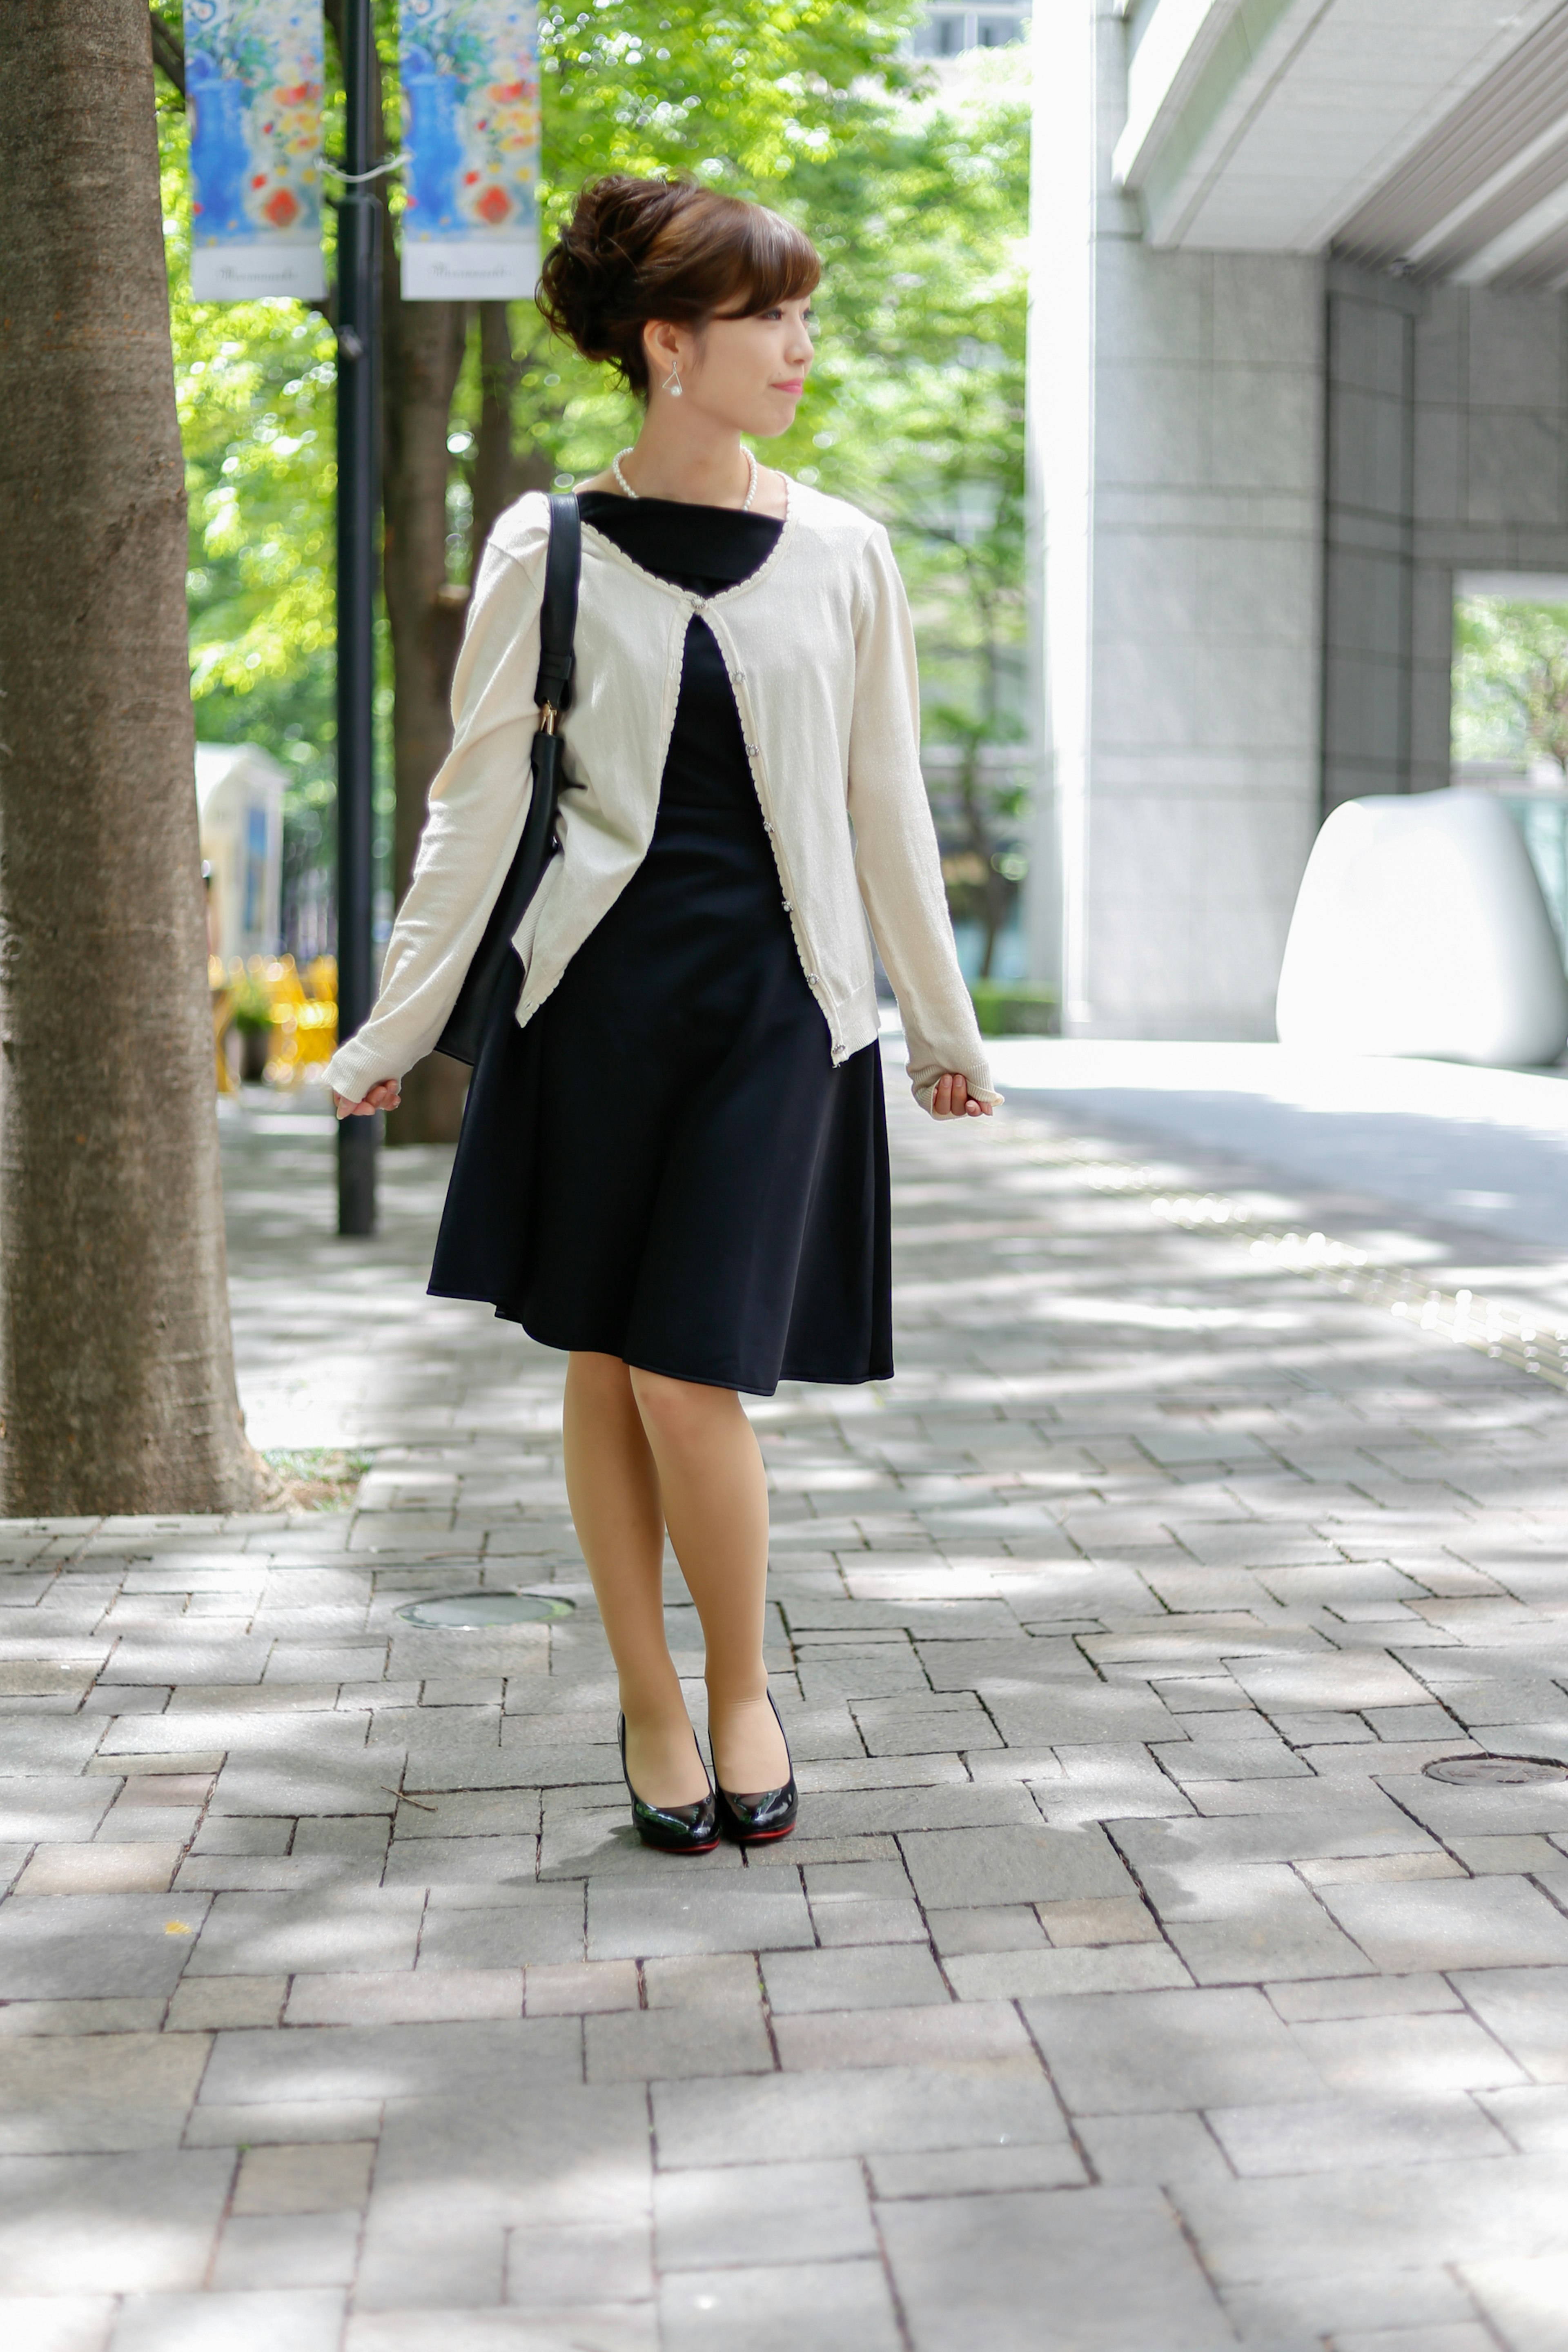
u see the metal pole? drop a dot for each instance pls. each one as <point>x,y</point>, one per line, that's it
<point>358,335</point>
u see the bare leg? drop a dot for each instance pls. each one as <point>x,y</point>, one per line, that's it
<point>614,1490</point>
<point>716,1508</point>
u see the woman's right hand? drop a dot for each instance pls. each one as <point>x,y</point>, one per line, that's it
<point>385,1095</point>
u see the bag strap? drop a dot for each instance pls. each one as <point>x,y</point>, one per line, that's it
<point>558,613</point>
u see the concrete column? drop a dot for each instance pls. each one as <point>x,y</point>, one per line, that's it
<point>1176,415</point>
<point>1369,533</point>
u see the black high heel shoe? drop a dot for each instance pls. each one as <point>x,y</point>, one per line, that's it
<point>753,1820</point>
<point>673,1829</point>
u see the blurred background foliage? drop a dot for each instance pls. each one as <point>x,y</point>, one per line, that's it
<point>913,182</point>
<point>1510,682</point>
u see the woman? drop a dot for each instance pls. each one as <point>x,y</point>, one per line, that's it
<point>673,1163</point>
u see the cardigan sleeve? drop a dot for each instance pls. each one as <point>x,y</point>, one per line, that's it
<point>478,806</point>
<point>897,862</point>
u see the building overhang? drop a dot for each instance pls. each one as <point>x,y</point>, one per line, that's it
<point>1429,136</point>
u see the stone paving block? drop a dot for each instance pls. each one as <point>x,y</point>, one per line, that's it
<point>1020,1976</point>
<point>244,1835</point>
<point>969,1806</point>
<point>1384,2056</point>
<point>1398,2217</point>
<point>1378,1869</point>
<point>777,2118</point>
<point>351,2062</point>
<point>1125,2052</point>
<point>354,1781</point>
<point>842,2306</point>
<point>1135,2151</point>
<point>323,1929</point>
<point>299,2251</point>
<point>1070,1714</point>
<point>1374,1996</point>
<point>579,1987</point>
<point>1452,1924</point>
<point>708,2219</point>
<point>1013,1865</point>
<point>1201,1763</point>
<point>1524,2300</point>
<point>1107,1783</point>
<point>607,2327</point>
<point>1439,2126</point>
<point>540,1930</point>
<point>92,2094</point>
<point>1527,2011</point>
<point>282,2123</point>
<point>492,1813</point>
<point>404,1997</point>
<point>955,2035</point>
<point>1300,2311</point>
<point>1275,1930</point>
<point>1003,1927</point>
<point>85,2225</point>
<point>666,2044</point>
<point>561,2270</point>
<point>1100,2270</point>
<point>635,1923</point>
<point>859,1976</point>
<point>1098,1919</point>
<point>74,2017</point>
<point>100,1870</point>
<point>309,2177</point>
<point>974,2171</point>
<point>432,1862</point>
<point>1351,1679</point>
<point>705,1982</point>
<point>89,1946</point>
<point>51,1807</point>
<point>361,1835</point>
<point>55,2323</point>
<point>283,2319</point>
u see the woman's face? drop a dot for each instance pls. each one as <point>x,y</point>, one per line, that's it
<point>745,374</point>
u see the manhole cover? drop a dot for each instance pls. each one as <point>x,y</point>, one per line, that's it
<point>1495,1772</point>
<point>461,1612</point>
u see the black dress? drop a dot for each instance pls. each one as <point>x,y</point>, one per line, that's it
<point>665,1165</point>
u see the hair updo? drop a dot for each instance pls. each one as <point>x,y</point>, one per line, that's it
<point>636,250</point>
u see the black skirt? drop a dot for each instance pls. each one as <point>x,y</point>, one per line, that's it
<point>665,1165</point>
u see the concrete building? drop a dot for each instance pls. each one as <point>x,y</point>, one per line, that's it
<point>1299,363</point>
<point>239,798</point>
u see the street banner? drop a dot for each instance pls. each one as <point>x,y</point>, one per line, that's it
<point>253,91</point>
<point>470,131</point>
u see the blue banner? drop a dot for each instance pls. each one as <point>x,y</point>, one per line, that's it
<point>470,128</point>
<point>253,91</point>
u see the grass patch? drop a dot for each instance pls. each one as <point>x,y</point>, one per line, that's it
<point>318,1478</point>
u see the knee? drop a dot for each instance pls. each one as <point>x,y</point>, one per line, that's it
<point>602,1384</point>
<point>683,1414</point>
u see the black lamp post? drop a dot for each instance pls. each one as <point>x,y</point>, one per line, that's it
<point>359,340</point>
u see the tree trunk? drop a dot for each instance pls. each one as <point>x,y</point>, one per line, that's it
<point>117,1386</point>
<point>425,610</point>
<point>495,467</point>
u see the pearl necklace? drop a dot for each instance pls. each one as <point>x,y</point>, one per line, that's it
<point>627,488</point>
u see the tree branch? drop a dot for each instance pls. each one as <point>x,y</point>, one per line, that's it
<point>168,51</point>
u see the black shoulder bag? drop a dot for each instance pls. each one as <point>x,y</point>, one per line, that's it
<point>494,964</point>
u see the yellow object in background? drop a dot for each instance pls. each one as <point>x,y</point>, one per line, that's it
<point>298,1014</point>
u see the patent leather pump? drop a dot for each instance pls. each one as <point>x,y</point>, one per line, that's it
<point>770,1813</point>
<point>673,1829</point>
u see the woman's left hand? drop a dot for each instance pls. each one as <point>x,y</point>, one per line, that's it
<point>953,1099</point>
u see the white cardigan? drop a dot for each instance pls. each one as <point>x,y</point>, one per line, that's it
<point>820,653</point>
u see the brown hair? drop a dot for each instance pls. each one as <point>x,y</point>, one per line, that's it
<point>635,250</point>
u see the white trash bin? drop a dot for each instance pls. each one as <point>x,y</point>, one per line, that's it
<point>1420,929</point>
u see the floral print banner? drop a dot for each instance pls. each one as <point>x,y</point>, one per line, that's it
<point>471,129</point>
<point>253,89</point>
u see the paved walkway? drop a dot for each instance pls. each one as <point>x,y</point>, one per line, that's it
<point>1129,1987</point>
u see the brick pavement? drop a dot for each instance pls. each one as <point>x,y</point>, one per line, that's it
<point>1128,1988</point>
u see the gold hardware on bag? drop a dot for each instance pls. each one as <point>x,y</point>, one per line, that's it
<point>547,718</point>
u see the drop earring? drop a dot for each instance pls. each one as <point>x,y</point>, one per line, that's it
<point>672,381</point>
